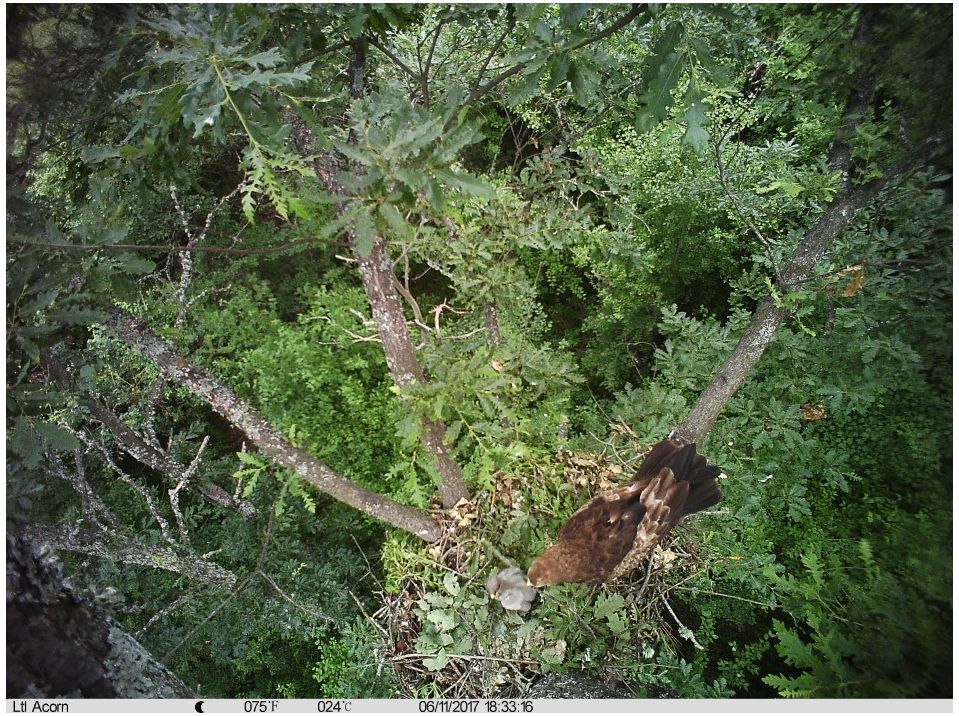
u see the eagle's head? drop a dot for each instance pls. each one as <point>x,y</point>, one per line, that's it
<point>563,562</point>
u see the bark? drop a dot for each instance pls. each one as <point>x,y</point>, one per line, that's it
<point>379,283</point>
<point>492,324</point>
<point>61,645</point>
<point>142,451</point>
<point>95,543</point>
<point>264,436</point>
<point>813,246</point>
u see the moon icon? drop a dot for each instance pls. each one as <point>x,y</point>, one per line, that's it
<point>199,707</point>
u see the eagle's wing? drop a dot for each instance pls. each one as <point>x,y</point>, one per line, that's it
<point>612,533</point>
<point>662,502</point>
<point>602,531</point>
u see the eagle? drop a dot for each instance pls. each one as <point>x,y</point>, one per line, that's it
<point>614,532</point>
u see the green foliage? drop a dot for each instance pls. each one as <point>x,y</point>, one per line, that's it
<point>868,634</point>
<point>352,666</point>
<point>405,153</point>
<point>660,174</point>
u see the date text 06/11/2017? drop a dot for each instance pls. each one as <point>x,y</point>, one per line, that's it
<point>473,706</point>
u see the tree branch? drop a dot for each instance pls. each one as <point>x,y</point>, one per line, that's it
<point>864,84</point>
<point>263,435</point>
<point>379,283</point>
<point>91,505</point>
<point>414,306</point>
<point>142,491</point>
<point>429,61</point>
<point>265,251</point>
<point>767,246</point>
<point>138,448</point>
<point>768,316</point>
<point>95,544</point>
<point>478,92</point>
<point>496,45</point>
<point>395,59</point>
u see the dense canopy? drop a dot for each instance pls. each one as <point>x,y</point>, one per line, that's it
<point>320,315</point>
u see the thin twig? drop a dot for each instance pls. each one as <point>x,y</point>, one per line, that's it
<point>770,255</point>
<point>357,338</point>
<point>305,610</point>
<point>267,250</point>
<point>236,590</point>
<point>182,482</point>
<point>721,594</point>
<point>258,569</point>
<point>684,631</point>
<point>186,596</point>
<point>649,573</point>
<point>396,60</point>
<point>90,502</point>
<point>414,306</point>
<point>137,487</point>
<point>429,61</point>
<point>480,91</point>
<point>496,45</point>
<point>375,624</point>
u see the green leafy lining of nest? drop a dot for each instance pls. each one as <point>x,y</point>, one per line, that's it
<point>449,639</point>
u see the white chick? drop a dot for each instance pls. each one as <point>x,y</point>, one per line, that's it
<point>509,586</point>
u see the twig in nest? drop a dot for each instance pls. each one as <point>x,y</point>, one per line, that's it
<point>684,631</point>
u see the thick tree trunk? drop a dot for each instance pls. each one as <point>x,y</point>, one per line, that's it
<point>60,645</point>
<point>492,324</point>
<point>814,245</point>
<point>264,436</point>
<point>378,280</point>
<point>380,285</point>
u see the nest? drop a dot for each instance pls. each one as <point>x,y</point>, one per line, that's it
<point>462,553</point>
<point>500,665</point>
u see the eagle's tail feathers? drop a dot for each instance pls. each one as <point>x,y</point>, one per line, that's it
<point>660,456</point>
<point>688,466</point>
<point>702,495</point>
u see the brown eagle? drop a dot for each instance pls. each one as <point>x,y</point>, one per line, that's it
<point>612,533</point>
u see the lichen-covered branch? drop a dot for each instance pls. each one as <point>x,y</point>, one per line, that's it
<point>95,543</point>
<point>174,492</point>
<point>135,445</point>
<point>263,435</point>
<point>144,493</point>
<point>60,644</point>
<point>91,505</point>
